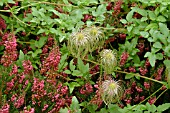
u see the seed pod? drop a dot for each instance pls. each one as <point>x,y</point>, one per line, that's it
<point>108,60</point>
<point>111,91</point>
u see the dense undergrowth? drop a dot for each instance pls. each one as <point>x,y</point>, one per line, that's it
<point>84,56</point>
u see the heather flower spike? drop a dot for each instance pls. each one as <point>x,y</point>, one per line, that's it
<point>108,60</point>
<point>111,91</point>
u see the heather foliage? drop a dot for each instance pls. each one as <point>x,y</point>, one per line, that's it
<point>84,56</point>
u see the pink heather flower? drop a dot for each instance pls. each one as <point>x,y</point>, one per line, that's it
<point>13,98</point>
<point>45,107</point>
<point>142,98</point>
<point>86,89</point>
<point>27,66</point>
<point>19,102</point>
<point>52,61</point>
<point>123,58</point>
<point>38,85</point>
<point>14,70</point>
<point>147,63</point>
<point>22,77</point>
<point>136,99</point>
<point>31,110</point>
<point>146,85</point>
<point>128,101</point>
<point>5,109</point>
<point>10,54</point>
<point>117,7</point>
<point>143,71</point>
<point>10,85</point>
<point>132,69</point>
<point>2,24</point>
<point>64,90</point>
<point>152,100</point>
<point>138,89</point>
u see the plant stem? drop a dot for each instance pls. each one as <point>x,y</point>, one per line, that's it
<point>161,95</point>
<point>138,75</point>
<point>146,99</point>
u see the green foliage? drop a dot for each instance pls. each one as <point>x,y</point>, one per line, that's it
<point>139,28</point>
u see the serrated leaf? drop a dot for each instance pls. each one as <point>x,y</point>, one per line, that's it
<point>71,66</point>
<point>77,73</point>
<point>64,110</point>
<point>80,65</point>
<point>67,71</point>
<point>163,107</point>
<point>72,85</point>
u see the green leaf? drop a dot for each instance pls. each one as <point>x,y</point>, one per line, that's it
<point>163,107</point>
<point>67,71</point>
<point>167,63</point>
<point>129,75</point>
<point>40,43</point>
<point>75,107</point>
<point>151,108</point>
<point>72,85</point>
<point>80,65</point>
<point>164,30</point>
<point>41,31</point>
<point>152,15</point>
<point>64,110</point>
<point>114,107</point>
<point>151,26</point>
<point>123,21</point>
<point>144,19</point>
<point>152,59</point>
<point>159,56</point>
<point>63,62</point>
<point>71,66</point>
<point>157,45</point>
<point>77,73</point>
<point>92,108</point>
<point>130,15</point>
<point>161,18</point>
<point>21,55</point>
<point>144,34</point>
<point>101,9</point>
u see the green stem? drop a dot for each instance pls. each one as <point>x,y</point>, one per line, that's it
<point>146,99</point>
<point>5,11</point>
<point>138,75</point>
<point>160,95</point>
<point>16,16</point>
